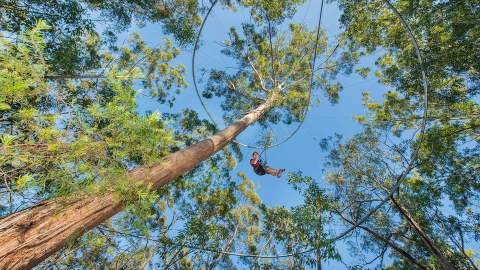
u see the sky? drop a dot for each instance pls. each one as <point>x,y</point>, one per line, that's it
<point>300,153</point>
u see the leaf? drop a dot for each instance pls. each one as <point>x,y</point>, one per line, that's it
<point>363,71</point>
<point>7,139</point>
<point>4,107</point>
<point>23,180</point>
<point>42,25</point>
<point>470,253</point>
<point>360,119</point>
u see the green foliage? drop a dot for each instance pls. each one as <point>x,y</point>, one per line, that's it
<point>20,79</point>
<point>66,132</point>
<point>363,71</point>
<point>304,226</point>
<point>275,11</point>
<point>64,137</point>
<point>160,79</point>
<point>444,179</point>
<point>73,42</point>
<point>282,68</point>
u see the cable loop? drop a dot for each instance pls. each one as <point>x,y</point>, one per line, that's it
<point>305,110</point>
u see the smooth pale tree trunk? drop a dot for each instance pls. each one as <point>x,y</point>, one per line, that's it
<point>389,243</point>
<point>425,239</point>
<point>30,236</point>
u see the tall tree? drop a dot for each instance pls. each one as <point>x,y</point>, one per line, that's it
<point>270,88</point>
<point>447,44</point>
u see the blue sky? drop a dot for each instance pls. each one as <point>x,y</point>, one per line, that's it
<point>302,152</point>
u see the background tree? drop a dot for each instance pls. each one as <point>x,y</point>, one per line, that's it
<point>302,227</point>
<point>451,137</point>
<point>74,38</point>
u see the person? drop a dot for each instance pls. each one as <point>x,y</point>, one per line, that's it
<point>260,169</point>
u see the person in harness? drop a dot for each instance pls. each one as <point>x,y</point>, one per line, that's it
<point>260,169</point>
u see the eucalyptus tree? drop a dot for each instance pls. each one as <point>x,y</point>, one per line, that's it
<point>63,138</point>
<point>448,46</point>
<point>208,212</point>
<point>363,171</point>
<point>271,88</point>
<point>443,188</point>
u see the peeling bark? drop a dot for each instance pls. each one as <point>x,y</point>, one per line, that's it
<point>30,236</point>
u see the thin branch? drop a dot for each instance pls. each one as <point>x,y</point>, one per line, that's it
<point>260,77</point>
<point>225,249</point>
<point>394,246</point>
<point>238,91</point>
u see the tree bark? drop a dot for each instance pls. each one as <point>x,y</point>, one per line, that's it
<point>423,236</point>
<point>319,234</point>
<point>389,243</point>
<point>30,236</point>
<point>319,259</point>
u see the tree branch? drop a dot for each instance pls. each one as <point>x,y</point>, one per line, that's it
<point>391,244</point>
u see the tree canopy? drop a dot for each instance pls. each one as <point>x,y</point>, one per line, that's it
<point>73,126</point>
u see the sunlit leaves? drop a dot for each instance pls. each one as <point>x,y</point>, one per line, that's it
<point>67,137</point>
<point>21,69</point>
<point>258,77</point>
<point>277,11</point>
<point>363,71</point>
<point>153,67</point>
<point>4,107</point>
<point>248,190</point>
<point>7,140</point>
<point>23,181</point>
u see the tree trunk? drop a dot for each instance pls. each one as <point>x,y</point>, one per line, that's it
<point>319,259</point>
<point>425,239</point>
<point>318,252</point>
<point>389,243</point>
<point>29,236</point>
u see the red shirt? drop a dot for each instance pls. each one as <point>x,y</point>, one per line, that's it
<point>256,164</point>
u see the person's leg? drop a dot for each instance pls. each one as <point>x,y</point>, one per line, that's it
<point>273,172</point>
